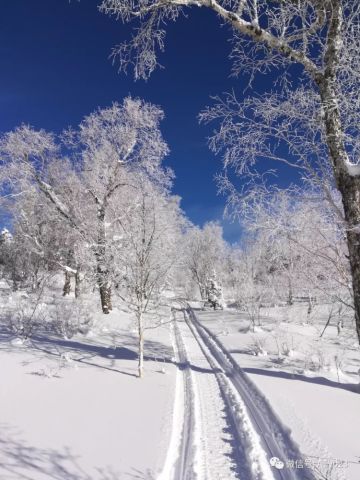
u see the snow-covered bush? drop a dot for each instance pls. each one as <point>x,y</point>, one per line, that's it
<point>317,360</point>
<point>69,317</point>
<point>257,347</point>
<point>284,345</point>
<point>249,299</point>
<point>214,293</point>
<point>27,316</point>
<point>204,252</point>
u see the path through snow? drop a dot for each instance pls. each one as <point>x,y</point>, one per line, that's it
<point>228,429</point>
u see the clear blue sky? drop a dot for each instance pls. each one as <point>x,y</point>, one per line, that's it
<point>55,69</point>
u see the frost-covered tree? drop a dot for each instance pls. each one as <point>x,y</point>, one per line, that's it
<point>5,237</point>
<point>312,47</point>
<point>150,233</point>
<point>108,146</point>
<point>306,248</point>
<point>320,240</point>
<point>255,284</point>
<point>214,293</point>
<point>110,143</point>
<point>46,237</point>
<point>271,218</point>
<point>203,254</point>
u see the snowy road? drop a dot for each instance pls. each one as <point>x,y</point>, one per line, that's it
<point>228,429</point>
<point>212,450</point>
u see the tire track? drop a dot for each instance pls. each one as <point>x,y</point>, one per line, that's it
<point>213,443</point>
<point>184,466</point>
<point>275,439</point>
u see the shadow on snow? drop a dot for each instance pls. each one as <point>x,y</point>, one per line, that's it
<point>20,461</point>
<point>118,347</point>
<point>351,387</point>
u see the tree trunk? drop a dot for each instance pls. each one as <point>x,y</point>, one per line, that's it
<point>349,186</point>
<point>310,304</point>
<point>141,345</point>
<point>35,283</point>
<point>350,190</point>
<point>101,267</point>
<point>67,284</point>
<point>77,283</point>
<point>290,271</point>
<point>105,297</point>
<point>290,300</point>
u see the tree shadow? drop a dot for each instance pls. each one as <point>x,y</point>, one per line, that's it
<point>351,387</point>
<point>110,347</point>
<point>92,354</point>
<point>136,474</point>
<point>243,351</point>
<point>20,461</point>
<point>115,347</point>
<point>238,455</point>
<point>189,366</point>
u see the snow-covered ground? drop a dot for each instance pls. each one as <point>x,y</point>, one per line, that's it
<point>75,410</point>
<point>311,383</point>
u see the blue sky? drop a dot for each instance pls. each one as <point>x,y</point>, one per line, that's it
<point>55,68</point>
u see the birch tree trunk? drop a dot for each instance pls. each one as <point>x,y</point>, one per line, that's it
<point>202,291</point>
<point>14,279</point>
<point>350,189</point>
<point>348,185</point>
<point>77,283</point>
<point>67,284</point>
<point>141,344</point>
<point>290,299</point>
<point>290,272</point>
<point>101,267</point>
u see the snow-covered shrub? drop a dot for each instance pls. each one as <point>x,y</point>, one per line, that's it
<point>257,347</point>
<point>204,252</point>
<point>190,291</point>
<point>26,317</point>
<point>317,361</point>
<point>339,362</point>
<point>250,301</point>
<point>214,293</point>
<point>286,349</point>
<point>284,344</point>
<point>69,317</point>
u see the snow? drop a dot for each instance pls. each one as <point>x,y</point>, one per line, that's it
<point>210,448</point>
<point>75,409</point>
<point>69,269</point>
<point>257,419</point>
<point>257,456</point>
<point>168,471</point>
<point>5,236</point>
<point>353,169</point>
<point>17,341</point>
<point>320,405</point>
<point>322,419</point>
